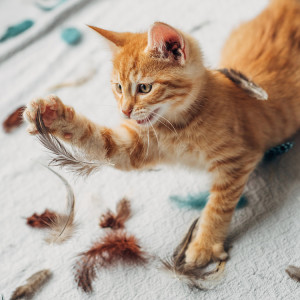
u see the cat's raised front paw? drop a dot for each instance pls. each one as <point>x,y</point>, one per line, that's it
<point>201,253</point>
<point>53,111</point>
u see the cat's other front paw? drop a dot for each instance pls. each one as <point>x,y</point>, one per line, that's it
<point>200,253</point>
<point>53,113</point>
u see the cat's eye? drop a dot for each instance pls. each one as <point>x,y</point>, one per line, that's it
<point>119,88</point>
<point>144,88</point>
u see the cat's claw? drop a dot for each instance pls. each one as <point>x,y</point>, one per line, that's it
<point>200,254</point>
<point>52,110</point>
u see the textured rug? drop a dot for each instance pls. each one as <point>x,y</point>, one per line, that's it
<point>264,235</point>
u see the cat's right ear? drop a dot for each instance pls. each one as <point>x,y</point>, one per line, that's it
<point>115,39</point>
<point>167,43</point>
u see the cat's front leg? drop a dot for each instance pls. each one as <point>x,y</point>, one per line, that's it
<point>227,188</point>
<point>124,146</point>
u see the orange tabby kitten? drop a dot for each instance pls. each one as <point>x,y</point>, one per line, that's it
<point>192,115</point>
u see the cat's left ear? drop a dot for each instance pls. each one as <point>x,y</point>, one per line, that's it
<point>115,39</point>
<point>166,42</point>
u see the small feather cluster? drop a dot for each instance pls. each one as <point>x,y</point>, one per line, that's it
<point>14,120</point>
<point>116,221</point>
<point>115,246</point>
<point>43,220</point>
<point>33,283</point>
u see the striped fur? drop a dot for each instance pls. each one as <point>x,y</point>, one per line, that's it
<point>195,116</point>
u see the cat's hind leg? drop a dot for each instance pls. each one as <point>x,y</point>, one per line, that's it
<point>229,181</point>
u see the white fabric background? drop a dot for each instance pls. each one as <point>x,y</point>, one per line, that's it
<point>264,235</point>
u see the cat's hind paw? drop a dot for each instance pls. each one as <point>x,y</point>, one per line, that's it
<point>201,254</point>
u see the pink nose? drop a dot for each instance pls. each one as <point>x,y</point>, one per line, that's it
<point>127,112</point>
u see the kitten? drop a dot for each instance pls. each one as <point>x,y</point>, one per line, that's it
<point>178,111</point>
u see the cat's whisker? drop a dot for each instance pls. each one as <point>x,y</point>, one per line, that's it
<point>148,139</point>
<point>159,115</point>
<point>156,137</point>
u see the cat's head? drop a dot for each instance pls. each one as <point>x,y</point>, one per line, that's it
<point>156,75</point>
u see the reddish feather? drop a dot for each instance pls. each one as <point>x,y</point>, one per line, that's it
<point>115,246</point>
<point>43,220</point>
<point>14,120</point>
<point>116,221</point>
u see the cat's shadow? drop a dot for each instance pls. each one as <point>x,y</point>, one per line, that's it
<point>271,186</point>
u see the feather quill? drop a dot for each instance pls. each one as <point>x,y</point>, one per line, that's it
<point>293,272</point>
<point>33,283</point>
<point>116,221</point>
<point>62,226</point>
<point>114,247</point>
<point>192,275</point>
<point>72,160</point>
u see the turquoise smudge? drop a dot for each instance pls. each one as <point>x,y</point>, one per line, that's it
<point>17,29</point>
<point>71,35</point>
<point>198,201</point>
<point>46,7</point>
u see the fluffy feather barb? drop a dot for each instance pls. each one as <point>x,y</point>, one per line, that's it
<point>113,247</point>
<point>116,221</point>
<point>63,157</point>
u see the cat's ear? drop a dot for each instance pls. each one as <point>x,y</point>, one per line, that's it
<point>115,39</point>
<point>166,42</point>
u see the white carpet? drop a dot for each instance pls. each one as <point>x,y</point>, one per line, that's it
<point>264,235</point>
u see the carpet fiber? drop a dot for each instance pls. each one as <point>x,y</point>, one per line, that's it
<point>264,235</point>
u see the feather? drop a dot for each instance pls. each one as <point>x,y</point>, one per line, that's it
<point>192,275</point>
<point>62,227</point>
<point>115,246</point>
<point>43,220</point>
<point>73,160</point>
<point>14,120</point>
<point>116,221</point>
<point>33,283</point>
<point>293,272</point>
<point>245,83</point>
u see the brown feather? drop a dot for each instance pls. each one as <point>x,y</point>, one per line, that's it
<point>116,221</point>
<point>293,272</point>
<point>63,157</point>
<point>193,275</point>
<point>115,246</point>
<point>43,220</point>
<point>14,120</point>
<point>33,283</point>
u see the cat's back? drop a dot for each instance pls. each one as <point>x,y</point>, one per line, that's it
<point>267,47</point>
<point>267,50</point>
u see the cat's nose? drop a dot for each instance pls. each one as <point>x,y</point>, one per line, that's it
<point>127,112</point>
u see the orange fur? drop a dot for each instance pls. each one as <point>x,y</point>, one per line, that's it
<point>205,120</point>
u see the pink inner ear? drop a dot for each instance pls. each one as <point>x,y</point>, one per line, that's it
<point>160,34</point>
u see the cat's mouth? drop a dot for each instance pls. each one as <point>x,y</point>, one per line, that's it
<point>149,118</point>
